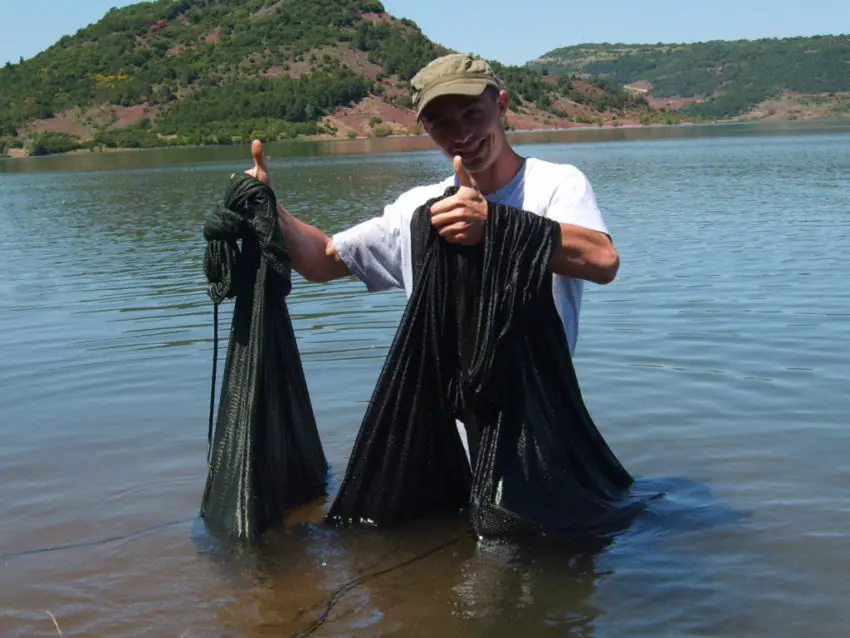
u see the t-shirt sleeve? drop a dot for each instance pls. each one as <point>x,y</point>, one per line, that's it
<point>372,250</point>
<point>574,202</point>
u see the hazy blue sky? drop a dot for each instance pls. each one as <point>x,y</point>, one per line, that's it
<point>511,32</point>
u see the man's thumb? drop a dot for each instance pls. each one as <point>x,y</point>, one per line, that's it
<point>257,154</point>
<point>463,178</point>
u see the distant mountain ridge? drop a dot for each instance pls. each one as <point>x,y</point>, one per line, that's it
<point>719,78</point>
<point>225,71</point>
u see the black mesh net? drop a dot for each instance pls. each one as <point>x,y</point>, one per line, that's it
<point>481,341</point>
<point>408,460</point>
<point>265,451</point>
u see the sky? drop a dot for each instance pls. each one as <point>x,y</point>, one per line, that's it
<point>510,31</point>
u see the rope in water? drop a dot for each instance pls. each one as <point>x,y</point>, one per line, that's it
<point>343,589</point>
<point>94,543</point>
<point>332,601</point>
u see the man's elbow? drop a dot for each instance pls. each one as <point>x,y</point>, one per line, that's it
<point>316,276</point>
<point>326,265</point>
<point>607,266</point>
<point>323,272</point>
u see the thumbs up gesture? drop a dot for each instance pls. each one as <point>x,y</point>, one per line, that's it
<point>461,217</point>
<point>260,170</point>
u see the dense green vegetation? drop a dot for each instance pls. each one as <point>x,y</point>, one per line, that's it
<point>221,71</point>
<point>215,53</point>
<point>531,86</point>
<point>257,106</point>
<point>733,75</point>
<point>399,52</point>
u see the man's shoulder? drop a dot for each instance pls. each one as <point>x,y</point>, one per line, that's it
<point>545,171</point>
<point>564,193</point>
<point>562,185</point>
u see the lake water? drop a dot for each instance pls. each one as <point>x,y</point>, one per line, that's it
<point>716,365</point>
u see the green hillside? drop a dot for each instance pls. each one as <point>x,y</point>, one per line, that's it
<point>223,71</point>
<point>724,78</point>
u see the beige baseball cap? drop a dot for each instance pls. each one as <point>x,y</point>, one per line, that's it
<point>452,74</point>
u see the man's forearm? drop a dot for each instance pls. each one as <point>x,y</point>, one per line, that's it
<point>310,250</point>
<point>585,254</point>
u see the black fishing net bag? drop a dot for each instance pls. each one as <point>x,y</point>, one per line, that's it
<point>481,341</point>
<point>265,452</point>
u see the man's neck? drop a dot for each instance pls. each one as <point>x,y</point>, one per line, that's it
<point>501,172</point>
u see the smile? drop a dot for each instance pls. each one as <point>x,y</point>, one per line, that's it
<point>473,150</point>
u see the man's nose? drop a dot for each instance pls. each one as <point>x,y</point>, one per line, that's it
<point>464,131</point>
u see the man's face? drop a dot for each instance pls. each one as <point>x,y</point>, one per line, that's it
<point>467,126</point>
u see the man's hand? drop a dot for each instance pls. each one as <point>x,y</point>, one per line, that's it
<point>260,170</point>
<point>462,216</point>
<point>311,251</point>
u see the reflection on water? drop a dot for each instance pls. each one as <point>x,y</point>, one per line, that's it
<point>713,366</point>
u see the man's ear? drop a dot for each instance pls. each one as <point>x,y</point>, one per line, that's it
<point>502,101</point>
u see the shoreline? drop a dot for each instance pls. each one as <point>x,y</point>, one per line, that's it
<point>19,153</point>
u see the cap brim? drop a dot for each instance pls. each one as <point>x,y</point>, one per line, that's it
<point>471,87</point>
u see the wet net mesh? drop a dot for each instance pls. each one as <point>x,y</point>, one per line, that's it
<point>265,452</point>
<point>481,341</point>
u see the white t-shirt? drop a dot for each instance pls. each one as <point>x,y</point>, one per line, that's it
<point>378,251</point>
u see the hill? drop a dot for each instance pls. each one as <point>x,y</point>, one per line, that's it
<point>225,71</point>
<point>780,77</point>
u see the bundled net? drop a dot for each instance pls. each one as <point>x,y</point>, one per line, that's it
<point>481,341</point>
<point>265,452</point>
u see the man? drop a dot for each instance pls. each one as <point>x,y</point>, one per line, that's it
<point>461,104</point>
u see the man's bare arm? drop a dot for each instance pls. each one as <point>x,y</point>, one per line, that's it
<point>311,251</point>
<point>585,254</point>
